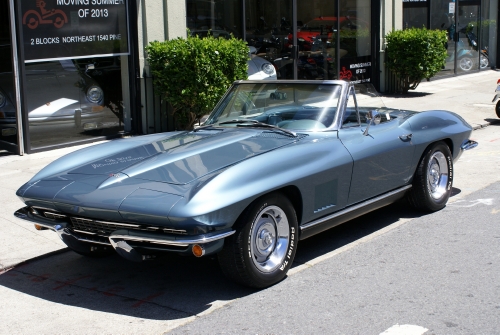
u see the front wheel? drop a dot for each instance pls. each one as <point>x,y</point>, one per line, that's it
<point>497,109</point>
<point>433,179</point>
<point>262,250</point>
<point>465,63</point>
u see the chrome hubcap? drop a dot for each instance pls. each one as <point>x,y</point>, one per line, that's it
<point>437,175</point>
<point>269,239</point>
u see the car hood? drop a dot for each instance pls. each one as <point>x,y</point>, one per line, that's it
<point>182,158</point>
<point>145,175</point>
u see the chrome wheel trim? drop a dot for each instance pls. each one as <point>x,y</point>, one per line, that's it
<point>269,239</point>
<point>465,63</point>
<point>437,175</point>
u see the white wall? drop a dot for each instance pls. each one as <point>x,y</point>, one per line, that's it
<point>391,18</point>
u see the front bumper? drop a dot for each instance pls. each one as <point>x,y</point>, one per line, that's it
<point>132,245</point>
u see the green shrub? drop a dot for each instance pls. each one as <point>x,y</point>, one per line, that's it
<point>414,54</point>
<point>192,74</point>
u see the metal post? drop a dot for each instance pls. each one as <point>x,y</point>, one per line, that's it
<point>17,85</point>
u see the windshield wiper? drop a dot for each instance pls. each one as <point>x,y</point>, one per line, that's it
<point>206,127</point>
<point>258,124</point>
<point>240,121</point>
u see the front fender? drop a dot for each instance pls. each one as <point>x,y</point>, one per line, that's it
<point>308,166</point>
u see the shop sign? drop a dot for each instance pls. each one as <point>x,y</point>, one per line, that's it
<point>356,73</point>
<point>61,29</point>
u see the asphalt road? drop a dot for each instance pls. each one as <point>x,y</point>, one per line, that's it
<point>437,272</point>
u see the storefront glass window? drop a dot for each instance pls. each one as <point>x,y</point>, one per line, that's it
<point>415,15</point>
<point>317,38</point>
<point>73,100</point>
<point>220,18</point>
<point>355,40</point>
<point>269,29</point>
<point>467,39</point>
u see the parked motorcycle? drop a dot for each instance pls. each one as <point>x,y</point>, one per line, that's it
<point>464,57</point>
<point>483,55</point>
<point>497,95</point>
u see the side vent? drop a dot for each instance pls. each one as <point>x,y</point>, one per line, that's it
<point>325,196</point>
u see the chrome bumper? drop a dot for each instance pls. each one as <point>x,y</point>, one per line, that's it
<point>119,238</point>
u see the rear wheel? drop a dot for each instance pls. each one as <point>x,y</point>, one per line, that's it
<point>433,179</point>
<point>497,109</point>
<point>483,61</point>
<point>261,251</point>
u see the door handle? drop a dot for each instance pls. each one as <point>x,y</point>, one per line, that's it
<point>405,138</point>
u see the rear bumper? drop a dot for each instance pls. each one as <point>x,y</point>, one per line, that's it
<point>133,245</point>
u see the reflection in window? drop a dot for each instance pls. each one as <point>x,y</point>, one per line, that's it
<point>72,100</point>
<point>217,17</point>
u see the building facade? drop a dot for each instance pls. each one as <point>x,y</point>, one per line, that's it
<point>75,71</point>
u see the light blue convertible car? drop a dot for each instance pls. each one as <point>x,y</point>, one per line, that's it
<point>276,162</point>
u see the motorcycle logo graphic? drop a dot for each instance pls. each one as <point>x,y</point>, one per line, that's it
<point>33,18</point>
<point>345,74</point>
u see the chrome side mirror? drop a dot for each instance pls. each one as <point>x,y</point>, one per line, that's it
<point>374,117</point>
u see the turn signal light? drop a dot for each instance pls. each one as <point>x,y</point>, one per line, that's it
<point>198,250</point>
<point>38,227</point>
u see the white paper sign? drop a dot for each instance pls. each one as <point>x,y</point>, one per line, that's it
<point>451,8</point>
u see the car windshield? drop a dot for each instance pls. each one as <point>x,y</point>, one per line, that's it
<point>294,106</point>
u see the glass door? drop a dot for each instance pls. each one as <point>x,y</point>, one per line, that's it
<point>334,40</point>
<point>467,51</point>
<point>9,135</point>
<point>461,22</point>
<point>269,28</point>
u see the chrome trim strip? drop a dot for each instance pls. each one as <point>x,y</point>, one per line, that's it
<point>42,208</point>
<point>118,224</point>
<point>354,208</point>
<point>81,219</point>
<point>469,144</point>
<point>174,231</point>
<point>56,216</point>
<point>83,231</point>
<point>178,242</point>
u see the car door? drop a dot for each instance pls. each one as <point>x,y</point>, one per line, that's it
<point>382,157</point>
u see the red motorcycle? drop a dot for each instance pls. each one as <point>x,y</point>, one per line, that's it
<point>32,18</point>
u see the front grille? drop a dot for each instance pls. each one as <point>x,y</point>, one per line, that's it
<point>105,228</point>
<point>98,227</point>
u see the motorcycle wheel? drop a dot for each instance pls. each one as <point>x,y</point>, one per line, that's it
<point>483,61</point>
<point>465,63</point>
<point>497,109</point>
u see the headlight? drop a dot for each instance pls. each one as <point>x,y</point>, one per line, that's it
<point>95,94</point>
<point>268,68</point>
<point>3,99</point>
